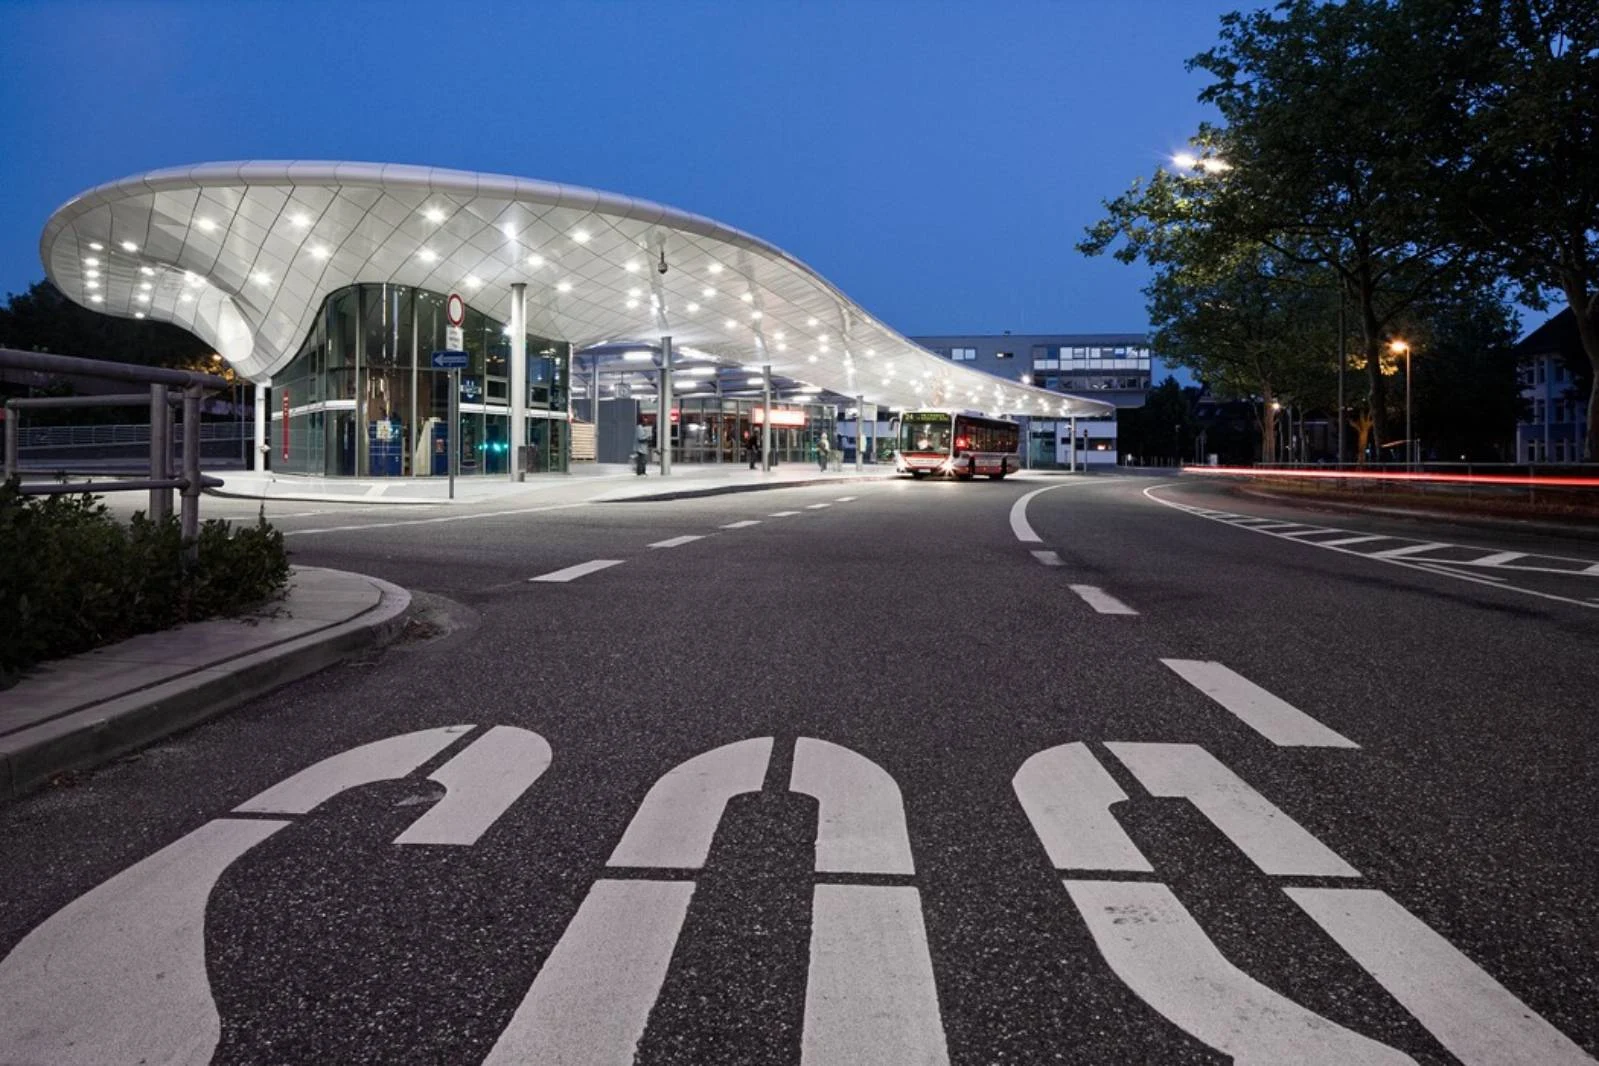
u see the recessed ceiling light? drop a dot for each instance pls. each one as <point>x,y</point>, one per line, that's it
<point>631,266</point>
<point>707,292</point>
<point>129,246</point>
<point>754,381</point>
<point>147,272</point>
<point>580,236</point>
<point>565,286</point>
<point>91,262</point>
<point>811,321</point>
<point>91,273</point>
<point>143,297</point>
<point>261,277</point>
<point>433,214</point>
<point>779,335</point>
<point>428,255</point>
<point>472,281</point>
<point>97,299</point>
<point>822,337</point>
<point>299,221</point>
<point>632,304</point>
<point>192,278</point>
<point>635,292</point>
<point>206,225</point>
<point>138,314</point>
<point>730,324</point>
<point>509,231</point>
<point>96,246</point>
<point>146,286</point>
<point>693,309</point>
<point>716,268</point>
<point>319,252</point>
<point>535,260</point>
<point>187,298</point>
<point>850,369</point>
<point>748,297</point>
<point>756,315</point>
<point>91,285</point>
<point>782,347</point>
<point>872,352</point>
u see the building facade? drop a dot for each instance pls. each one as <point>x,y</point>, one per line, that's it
<point>1554,428</point>
<point>1113,367</point>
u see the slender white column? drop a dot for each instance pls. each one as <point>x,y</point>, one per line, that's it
<point>766,418</point>
<point>260,426</point>
<point>663,424</point>
<point>516,434</point>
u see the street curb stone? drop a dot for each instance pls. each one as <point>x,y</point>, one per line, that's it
<point>98,733</point>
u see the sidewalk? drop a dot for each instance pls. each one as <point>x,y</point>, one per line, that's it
<point>79,712</point>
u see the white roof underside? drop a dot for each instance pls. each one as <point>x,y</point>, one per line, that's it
<point>243,254</point>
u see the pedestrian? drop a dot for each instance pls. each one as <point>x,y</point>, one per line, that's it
<point>822,453</point>
<point>752,446</point>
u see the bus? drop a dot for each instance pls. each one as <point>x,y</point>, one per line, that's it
<point>955,445</point>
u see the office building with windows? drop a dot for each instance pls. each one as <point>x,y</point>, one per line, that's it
<point>1555,424</point>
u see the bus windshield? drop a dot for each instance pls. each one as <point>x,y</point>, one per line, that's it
<point>924,433</point>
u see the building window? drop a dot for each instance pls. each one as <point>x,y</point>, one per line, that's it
<point>1004,355</point>
<point>963,355</point>
<point>1540,372</point>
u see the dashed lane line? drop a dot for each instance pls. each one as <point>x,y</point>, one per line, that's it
<point>816,506</point>
<point>1048,558</point>
<point>571,573</point>
<point>782,514</point>
<point>1279,722</point>
<point>1018,511</point>
<point>678,542</point>
<point>847,499</point>
<point>744,524</point>
<point>1101,601</point>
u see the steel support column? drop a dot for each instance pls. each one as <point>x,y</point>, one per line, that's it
<point>517,430</point>
<point>766,418</point>
<point>160,499</point>
<point>663,423</point>
<point>260,428</point>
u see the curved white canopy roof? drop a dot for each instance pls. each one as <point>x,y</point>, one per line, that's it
<point>243,255</point>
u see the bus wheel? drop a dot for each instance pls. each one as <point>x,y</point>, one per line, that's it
<point>996,477</point>
<point>918,474</point>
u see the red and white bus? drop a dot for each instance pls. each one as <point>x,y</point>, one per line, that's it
<point>956,445</point>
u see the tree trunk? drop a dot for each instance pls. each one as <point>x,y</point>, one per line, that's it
<point>1372,339</point>
<point>1588,329</point>
<point>1268,428</point>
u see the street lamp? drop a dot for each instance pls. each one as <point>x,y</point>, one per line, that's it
<point>1399,347</point>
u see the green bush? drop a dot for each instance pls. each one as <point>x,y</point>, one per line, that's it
<point>73,578</point>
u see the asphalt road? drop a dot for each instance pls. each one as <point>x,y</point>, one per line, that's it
<point>997,819</point>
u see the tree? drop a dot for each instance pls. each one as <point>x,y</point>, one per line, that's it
<point>1526,183</point>
<point>44,320</point>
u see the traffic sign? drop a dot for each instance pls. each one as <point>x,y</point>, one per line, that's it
<point>454,309</point>
<point>450,360</point>
<point>454,338</point>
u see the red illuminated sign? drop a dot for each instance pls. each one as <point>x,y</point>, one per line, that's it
<point>779,418</point>
<point>285,425</point>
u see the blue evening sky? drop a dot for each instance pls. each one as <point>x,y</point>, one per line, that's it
<point>936,161</point>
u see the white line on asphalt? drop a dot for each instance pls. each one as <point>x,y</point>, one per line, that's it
<point>1445,569</point>
<point>860,827</point>
<point>673,826</point>
<point>1284,525</point>
<point>434,521</point>
<point>481,784</point>
<point>1100,600</point>
<point>1363,539</point>
<point>1048,558</point>
<point>1497,559</point>
<point>381,760</point>
<point>1472,1015</point>
<point>1068,796</point>
<point>118,974</point>
<point>870,994</point>
<point>816,506</point>
<point>846,499</point>
<point>1310,531</point>
<point>1279,722</point>
<point>677,542</point>
<point>1408,549</point>
<point>1157,949</point>
<point>1269,838</point>
<point>591,1000</point>
<point>744,524</point>
<point>573,572</point>
<point>1018,511</point>
<point>781,514</point>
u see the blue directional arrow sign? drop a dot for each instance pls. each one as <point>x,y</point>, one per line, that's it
<point>449,360</point>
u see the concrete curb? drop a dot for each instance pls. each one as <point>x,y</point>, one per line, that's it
<point>96,734</point>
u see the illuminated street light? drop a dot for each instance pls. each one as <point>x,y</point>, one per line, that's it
<point>1399,347</point>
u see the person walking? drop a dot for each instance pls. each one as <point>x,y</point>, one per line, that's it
<point>822,451</point>
<point>752,446</point>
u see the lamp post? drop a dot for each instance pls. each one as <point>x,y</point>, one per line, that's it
<point>1399,347</point>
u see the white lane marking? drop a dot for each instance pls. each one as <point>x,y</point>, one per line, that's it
<point>847,499</point>
<point>870,994</point>
<point>571,573</point>
<point>1496,559</point>
<point>1312,531</point>
<point>1285,525</point>
<point>1048,558</point>
<point>744,524</point>
<point>1100,600</point>
<point>1420,567</point>
<point>1447,570</point>
<point>482,782</point>
<point>816,506</point>
<point>1362,539</point>
<point>118,974</point>
<point>433,521</point>
<point>1279,722</point>
<point>591,1000</point>
<point>1408,549</point>
<point>678,542</point>
<point>861,825</point>
<point>1018,510</point>
<point>1470,1013</point>
<point>781,514</point>
<point>674,824</point>
<point>381,760</point>
<point>1068,796</point>
<point>1268,837</point>
<point>1157,949</point>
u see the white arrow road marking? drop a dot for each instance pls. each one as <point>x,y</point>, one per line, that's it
<point>870,994</point>
<point>674,824</point>
<point>1157,949</point>
<point>591,1000</point>
<point>1281,723</point>
<point>1068,796</point>
<point>572,572</point>
<point>118,975</point>
<point>1272,840</point>
<point>381,760</point>
<point>678,542</point>
<point>1048,558</point>
<point>744,524</point>
<point>1470,1013</point>
<point>1101,601</point>
<point>861,825</point>
<point>483,781</point>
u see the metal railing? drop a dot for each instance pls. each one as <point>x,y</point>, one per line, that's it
<point>167,388</point>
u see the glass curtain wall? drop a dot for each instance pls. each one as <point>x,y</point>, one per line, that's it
<point>364,400</point>
<point>711,430</point>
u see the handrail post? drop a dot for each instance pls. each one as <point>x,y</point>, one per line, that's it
<point>13,438</point>
<point>160,499</point>
<point>189,523</point>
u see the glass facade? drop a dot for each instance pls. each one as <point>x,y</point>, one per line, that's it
<point>364,401</point>
<point>714,430</point>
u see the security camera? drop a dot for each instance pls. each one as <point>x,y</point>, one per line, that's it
<point>662,268</point>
